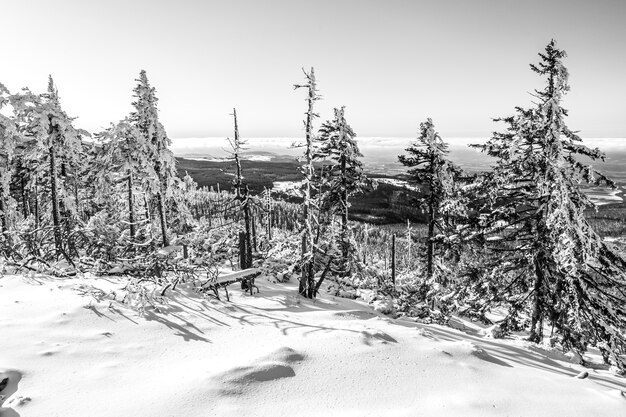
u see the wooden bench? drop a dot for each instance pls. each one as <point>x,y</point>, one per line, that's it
<point>245,276</point>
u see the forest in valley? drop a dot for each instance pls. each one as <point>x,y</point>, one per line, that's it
<point>513,246</point>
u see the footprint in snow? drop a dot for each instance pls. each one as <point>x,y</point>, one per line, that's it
<point>355,314</point>
<point>467,350</point>
<point>382,337</point>
<point>427,334</point>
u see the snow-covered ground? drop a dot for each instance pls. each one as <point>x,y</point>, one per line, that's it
<point>70,348</point>
<point>250,157</point>
<point>287,187</point>
<point>605,196</point>
<point>598,196</point>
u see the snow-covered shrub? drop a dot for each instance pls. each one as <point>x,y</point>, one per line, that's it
<point>281,260</point>
<point>103,236</point>
<point>384,305</point>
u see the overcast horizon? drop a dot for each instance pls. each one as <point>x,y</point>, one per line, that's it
<point>392,64</point>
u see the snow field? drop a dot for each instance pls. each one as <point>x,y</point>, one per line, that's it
<point>73,349</point>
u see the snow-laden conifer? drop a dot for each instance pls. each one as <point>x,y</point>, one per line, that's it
<point>51,138</point>
<point>435,173</point>
<point>8,142</point>
<point>145,117</point>
<point>544,256</point>
<point>124,159</point>
<point>342,175</point>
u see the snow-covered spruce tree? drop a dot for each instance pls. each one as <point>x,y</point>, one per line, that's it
<point>52,138</point>
<point>427,158</point>
<point>124,159</point>
<point>242,197</point>
<point>544,256</point>
<point>8,141</point>
<point>341,178</point>
<point>307,258</point>
<point>145,118</point>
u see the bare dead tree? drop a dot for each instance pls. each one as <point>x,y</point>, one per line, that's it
<point>307,260</point>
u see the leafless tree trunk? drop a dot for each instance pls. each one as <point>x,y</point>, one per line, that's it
<point>56,216</point>
<point>242,196</point>
<point>307,281</point>
<point>162,220</point>
<point>131,209</point>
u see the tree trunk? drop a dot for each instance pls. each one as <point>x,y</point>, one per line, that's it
<point>161,209</point>
<point>393,260</point>
<point>56,216</point>
<point>323,276</point>
<point>430,247</point>
<point>246,216</point>
<point>307,284</point>
<point>254,242</point>
<point>241,195</point>
<point>76,194</point>
<point>25,205</point>
<point>242,250</point>
<point>269,218</point>
<point>304,279</point>
<point>36,204</point>
<point>3,216</point>
<point>536,325</point>
<point>131,208</point>
<point>344,218</point>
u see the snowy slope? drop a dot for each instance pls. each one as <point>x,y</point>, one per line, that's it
<point>75,351</point>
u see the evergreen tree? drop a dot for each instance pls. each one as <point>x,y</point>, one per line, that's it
<point>124,158</point>
<point>145,118</point>
<point>8,142</point>
<point>543,251</point>
<point>342,178</point>
<point>430,167</point>
<point>52,138</point>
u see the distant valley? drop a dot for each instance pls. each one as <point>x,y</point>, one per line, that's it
<point>391,202</point>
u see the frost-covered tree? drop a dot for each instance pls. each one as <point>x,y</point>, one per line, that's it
<point>8,142</point>
<point>52,139</point>
<point>544,256</point>
<point>307,258</point>
<point>146,119</point>
<point>124,159</point>
<point>431,169</point>
<point>342,177</point>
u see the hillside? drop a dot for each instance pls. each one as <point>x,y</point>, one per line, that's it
<point>387,204</point>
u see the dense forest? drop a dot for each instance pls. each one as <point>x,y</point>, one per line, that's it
<point>515,239</point>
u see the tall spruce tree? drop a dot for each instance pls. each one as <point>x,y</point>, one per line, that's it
<point>544,256</point>
<point>146,119</point>
<point>8,142</point>
<point>342,178</point>
<point>431,169</point>
<point>51,137</point>
<point>124,158</point>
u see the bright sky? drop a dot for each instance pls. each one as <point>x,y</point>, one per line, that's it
<point>392,63</point>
